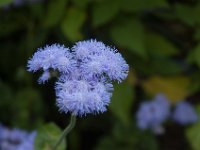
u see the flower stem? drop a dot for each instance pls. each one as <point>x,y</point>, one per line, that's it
<point>66,131</point>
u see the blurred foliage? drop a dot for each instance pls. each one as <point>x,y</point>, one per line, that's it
<point>193,135</point>
<point>160,39</point>
<point>122,91</point>
<point>176,88</point>
<point>47,136</point>
<point>127,137</point>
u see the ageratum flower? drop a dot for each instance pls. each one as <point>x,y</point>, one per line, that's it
<point>184,113</point>
<point>85,74</point>
<point>28,144</point>
<point>81,97</point>
<point>97,60</point>
<point>55,57</point>
<point>16,139</point>
<point>85,50</point>
<point>52,57</point>
<point>44,77</point>
<point>152,114</point>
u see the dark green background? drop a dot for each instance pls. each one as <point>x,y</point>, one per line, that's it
<point>160,40</point>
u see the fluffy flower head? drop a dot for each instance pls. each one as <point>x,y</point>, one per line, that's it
<point>85,74</point>
<point>52,57</point>
<point>85,50</point>
<point>16,139</point>
<point>153,113</point>
<point>81,97</point>
<point>184,113</point>
<point>99,60</point>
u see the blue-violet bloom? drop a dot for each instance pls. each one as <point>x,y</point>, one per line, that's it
<point>85,76</point>
<point>152,114</point>
<point>55,57</point>
<point>16,139</point>
<point>97,60</point>
<point>184,113</point>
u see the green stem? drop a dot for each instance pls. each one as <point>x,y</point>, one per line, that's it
<point>66,131</point>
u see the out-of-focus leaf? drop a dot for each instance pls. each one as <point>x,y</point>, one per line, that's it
<point>5,2</point>
<point>72,24</point>
<point>159,45</point>
<point>196,13</point>
<point>158,66</point>
<point>197,108</point>
<point>168,16</point>
<point>10,23</point>
<point>196,55</point>
<point>5,101</point>
<point>175,88</point>
<point>37,11</point>
<point>130,35</point>
<point>81,3</point>
<point>55,12</point>
<point>133,137</point>
<point>127,138</point>
<point>185,14</point>
<point>22,75</point>
<point>47,136</point>
<point>104,11</point>
<point>193,136</point>
<point>195,82</point>
<point>28,108</point>
<point>197,34</point>
<point>6,92</point>
<point>132,78</point>
<point>107,143</point>
<point>138,5</point>
<point>122,101</point>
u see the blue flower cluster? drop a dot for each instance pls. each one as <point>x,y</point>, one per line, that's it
<point>184,113</point>
<point>152,114</point>
<point>51,57</point>
<point>86,72</point>
<point>16,139</point>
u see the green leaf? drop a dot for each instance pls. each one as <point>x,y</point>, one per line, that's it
<point>28,102</point>
<point>127,138</point>
<point>195,83</point>
<point>185,13</point>
<point>138,5</point>
<point>130,35</point>
<point>194,56</point>
<point>81,3</point>
<point>10,23</point>
<point>37,11</point>
<point>175,88</point>
<point>197,55</point>
<point>72,24</point>
<point>6,102</point>
<point>197,34</point>
<point>158,65</point>
<point>196,13</point>
<point>122,101</point>
<point>188,14</point>
<point>104,12</point>
<point>47,136</point>
<point>5,2</point>
<point>159,45</point>
<point>55,12</point>
<point>193,136</point>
